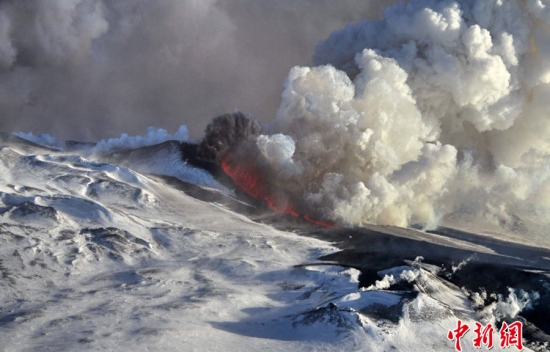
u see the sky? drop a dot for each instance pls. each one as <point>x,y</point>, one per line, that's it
<point>91,69</point>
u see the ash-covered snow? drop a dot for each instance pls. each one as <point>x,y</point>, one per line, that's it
<point>98,256</point>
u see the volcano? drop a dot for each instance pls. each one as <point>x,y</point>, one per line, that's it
<point>393,196</point>
<point>92,244</point>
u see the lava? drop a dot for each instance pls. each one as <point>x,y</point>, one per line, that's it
<point>246,177</point>
<point>324,223</point>
<point>250,178</point>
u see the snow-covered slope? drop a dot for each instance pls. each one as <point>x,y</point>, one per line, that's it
<point>99,256</point>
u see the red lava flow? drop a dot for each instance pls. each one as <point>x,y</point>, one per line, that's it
<point>248,178</point>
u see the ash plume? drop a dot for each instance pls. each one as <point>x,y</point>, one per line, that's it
<point>227,131</point>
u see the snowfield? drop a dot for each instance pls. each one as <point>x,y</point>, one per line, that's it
<point>99,256</point>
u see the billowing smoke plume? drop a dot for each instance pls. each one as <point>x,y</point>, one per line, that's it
<point>438,110</point>
<point>234,141</point>
<point>228,131</point>
<point>94,69</point>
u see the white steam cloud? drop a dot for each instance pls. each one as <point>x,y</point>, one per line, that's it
<point>502,307</point>
<point>151,137</point>
<point>439,109</point>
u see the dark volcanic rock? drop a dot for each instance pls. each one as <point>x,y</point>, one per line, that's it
<point>31,208</point>
<point>343,320</point>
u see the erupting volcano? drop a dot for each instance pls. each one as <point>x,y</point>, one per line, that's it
<point>420,134</point>
<point>231,140</point>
